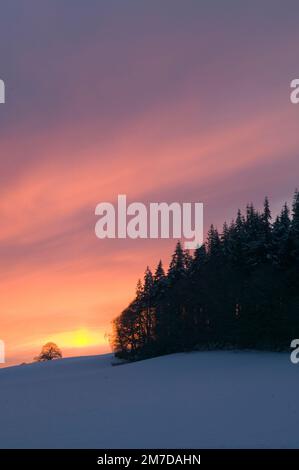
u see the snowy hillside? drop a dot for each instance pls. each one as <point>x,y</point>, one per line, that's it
<point>195,400</point>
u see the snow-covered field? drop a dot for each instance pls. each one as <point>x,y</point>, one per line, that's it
<point>193,400</point>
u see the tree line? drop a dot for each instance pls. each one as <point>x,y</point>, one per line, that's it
<point>238,290</point>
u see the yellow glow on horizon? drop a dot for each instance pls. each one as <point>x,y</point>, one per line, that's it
<point>80,338</point>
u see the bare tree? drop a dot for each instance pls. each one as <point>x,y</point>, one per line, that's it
<point>49,352</point>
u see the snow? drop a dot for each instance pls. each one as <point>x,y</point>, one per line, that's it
<point>190,400</point>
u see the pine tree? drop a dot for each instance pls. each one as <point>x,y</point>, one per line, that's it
<point>225,240</point>
<point>280,238</point>
<point>213,242</point>
<point>139,290</point>
<point>160,305</point>
<point>199,259</point>
<point>148,284</point>
<point>267,231</point>
<point>240,289</point>
<point>294,230</point>
<point>177,269</point>
<point>147,312</point>
<point>159,282</point>
<point>159,273</point>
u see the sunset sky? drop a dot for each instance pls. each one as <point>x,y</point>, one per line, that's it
<point>160,100</point>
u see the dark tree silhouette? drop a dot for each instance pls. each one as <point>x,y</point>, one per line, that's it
<point>239,290</point>
<point>49,352</point>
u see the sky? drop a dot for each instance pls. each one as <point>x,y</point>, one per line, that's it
<point>161,101</point>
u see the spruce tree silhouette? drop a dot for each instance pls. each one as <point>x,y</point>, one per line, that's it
<point>238,290</point>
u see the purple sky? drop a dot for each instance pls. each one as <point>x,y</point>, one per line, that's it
<point>163,101</point>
